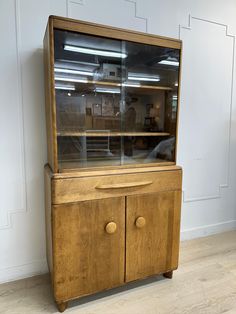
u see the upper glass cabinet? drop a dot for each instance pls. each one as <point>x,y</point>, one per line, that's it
<point>116,101</point>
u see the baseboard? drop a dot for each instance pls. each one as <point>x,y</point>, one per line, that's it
<point>37,267</point>
<point>207,230</point>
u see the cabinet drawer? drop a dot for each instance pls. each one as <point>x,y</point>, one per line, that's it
<point>98,187</point>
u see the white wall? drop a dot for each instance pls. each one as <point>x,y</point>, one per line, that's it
<point>207,128</point>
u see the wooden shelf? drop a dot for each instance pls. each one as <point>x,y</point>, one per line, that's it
<point>104,83</point>
<point>115,162</point>
<point>108,133</point>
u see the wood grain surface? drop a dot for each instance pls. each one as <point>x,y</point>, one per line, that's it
<point>114,32</point>
<point>81,189</point>
<point>87,259</point>
<point>151,250</point>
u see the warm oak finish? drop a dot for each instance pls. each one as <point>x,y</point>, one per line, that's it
<point>150,87</point>
<point>87,257</point>
<point>48,213</point>
<point>62,306</point>
<point>140,222</point>
<point>150,250</point>
<point>123,185</point>
<point>82,189</point>
<point>50,96</point>
<point>111,227</point>
<point>120,222</point>
<point>61,23</point>
<point>113,32</point>
<point>111,171</point>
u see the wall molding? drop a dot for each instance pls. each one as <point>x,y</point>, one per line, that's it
<point>81,2</point>
<point>221,185</point>
<point>207,230</point>
<point>33,268</point>
<point>20,104</point>
<point>69,2</point>
<point>138,16</point>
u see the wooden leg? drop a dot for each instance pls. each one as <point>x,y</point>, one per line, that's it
<point>62,306</point>
<point>169,274</point>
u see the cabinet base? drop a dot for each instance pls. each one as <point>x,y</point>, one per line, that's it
<point>62,306</point>
<point>169,274</point>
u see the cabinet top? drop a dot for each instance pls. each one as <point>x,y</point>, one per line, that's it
<point>109,172</point>
<point>112,32</point>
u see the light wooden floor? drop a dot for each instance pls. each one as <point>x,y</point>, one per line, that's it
<point>205,283</point>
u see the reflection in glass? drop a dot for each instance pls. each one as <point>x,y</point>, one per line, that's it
<point>116,101</point>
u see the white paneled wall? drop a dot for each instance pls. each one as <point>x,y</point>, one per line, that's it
<point>207,128</point>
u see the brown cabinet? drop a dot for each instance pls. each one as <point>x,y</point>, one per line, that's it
<point>125,232</point>
<point>112,186</point>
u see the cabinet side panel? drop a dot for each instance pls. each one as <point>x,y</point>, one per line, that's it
<point>50,98</point>
<point>48,206</point>
<point>174,258</point>
<point>87,258</point>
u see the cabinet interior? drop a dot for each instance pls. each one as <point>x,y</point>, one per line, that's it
<point>116,101</point>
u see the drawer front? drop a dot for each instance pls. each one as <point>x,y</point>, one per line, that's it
<point>70,190</point>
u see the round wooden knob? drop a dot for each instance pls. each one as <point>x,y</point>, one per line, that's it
<point>111,227</point>
<point>140,222</point>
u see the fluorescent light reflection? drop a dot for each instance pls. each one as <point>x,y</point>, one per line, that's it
<point>86,64</point>
<point>96,52</point>
<point>170,61</point>
<point>107,90</point>
<point>131,84</point>
<point>64,87</point>
<point>142,78</point>
<point>70,71</point>
<point>68,79</point>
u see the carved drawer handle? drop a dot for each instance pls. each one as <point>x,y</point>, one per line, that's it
<point>123,185</point>
<point>111,227</point>
<point>140,222</point>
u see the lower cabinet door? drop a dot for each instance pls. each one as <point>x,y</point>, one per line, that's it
<point>152,234</point>
<point>88,244</point>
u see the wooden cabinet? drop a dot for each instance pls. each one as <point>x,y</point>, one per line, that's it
<point>112,186</point>
<point>124,233</point>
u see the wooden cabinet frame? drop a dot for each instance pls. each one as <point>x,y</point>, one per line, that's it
<point>118,215</point>
<point>69,220</point>
<point>55,22</point>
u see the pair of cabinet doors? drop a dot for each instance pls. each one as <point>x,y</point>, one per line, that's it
<point>88,259</point>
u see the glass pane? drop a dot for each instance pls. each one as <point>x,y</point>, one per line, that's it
<point>150,85</point>
<point>88,76</point>
<point>116,101</point>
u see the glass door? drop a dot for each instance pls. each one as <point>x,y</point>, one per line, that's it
<point>150,92</point>
<point>116,101</point>
<point>88,75</point>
